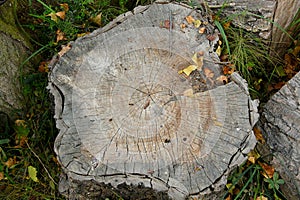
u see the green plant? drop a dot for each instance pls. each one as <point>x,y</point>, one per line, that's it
<point>273,183</point>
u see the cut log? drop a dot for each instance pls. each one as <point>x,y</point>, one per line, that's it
<point>130,112</point>
<point>280,123</point>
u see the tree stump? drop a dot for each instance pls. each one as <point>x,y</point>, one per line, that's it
<point>129,112</point>
<point>280,123</point>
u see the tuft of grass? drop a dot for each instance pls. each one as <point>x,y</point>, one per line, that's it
<point>248,54</point>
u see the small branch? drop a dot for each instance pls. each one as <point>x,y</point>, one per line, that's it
<point>41,163</point>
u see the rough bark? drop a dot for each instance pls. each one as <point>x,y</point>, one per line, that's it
<point>126,114</point>
<point>280,123</point>
<point>15,48</point>
<point>279,12</point>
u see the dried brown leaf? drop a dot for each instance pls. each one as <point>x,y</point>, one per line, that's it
<point>64,50</point>
<point>268,170</point>
<point>258,134</point>
<point>11,162</point>
<point>61,14</point>
<point>65,6</point>
<point>189,19</point>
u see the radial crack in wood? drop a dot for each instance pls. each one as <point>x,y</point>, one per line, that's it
<point>127,113</point>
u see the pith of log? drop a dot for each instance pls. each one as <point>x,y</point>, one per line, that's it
<point>127,114</point>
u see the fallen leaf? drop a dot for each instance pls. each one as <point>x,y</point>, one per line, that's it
<point>211,37</point>
<point>11,162</point>
<point>226,25</point>
<point>268,170</point>
<point>222,79</point>
<point>202,30</point>
<point>97,19</point>
<point>60,36</point>
<point>188,70</point>
<point>261,198</point>
<point>82,34</point>
<point>258,134</point>
<point>197,23</point>
<point>53,16</point>
<point>32,173</point>
<point>43,67</point>
<point>208,73</point>
<point>20,122</point>
<point>64,50</point>
<point>182,26</point>
<point>1,176</point>
<point>219,50</point>
<point>65,6</point>
<point>279,85</point>
<point>228,69</point>
<point>228,197</point>
<point>189,19</point>
<point>205,23</point>
<point>21,141</point>
<point>61,14</point>
<point>253,156</point>
<point>188,93</point>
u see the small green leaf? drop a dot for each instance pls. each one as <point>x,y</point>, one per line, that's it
<point>32,173</point>
<point>280,71</point>
<point>280,181</point>
<point>52,185</point>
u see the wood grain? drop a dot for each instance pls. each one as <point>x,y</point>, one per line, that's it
<point>126,116</point>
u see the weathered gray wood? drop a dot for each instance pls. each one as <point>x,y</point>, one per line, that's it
<point>125,115</point>
<point>15,48</point>
<point>271,17</point>
<point>281,125</point>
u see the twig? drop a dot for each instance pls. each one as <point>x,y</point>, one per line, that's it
<point>41,163</point>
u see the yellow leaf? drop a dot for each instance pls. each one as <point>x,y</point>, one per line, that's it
<point>253,156</point>
<point>97,19</point>
<point>53,16</point>
<point>189,19</point>
<point>219,50</point>
<point>32,173</point>
<point>20,122</point>
<point>197,23</point>
<point>61,14</point>
<point>188,70</point>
